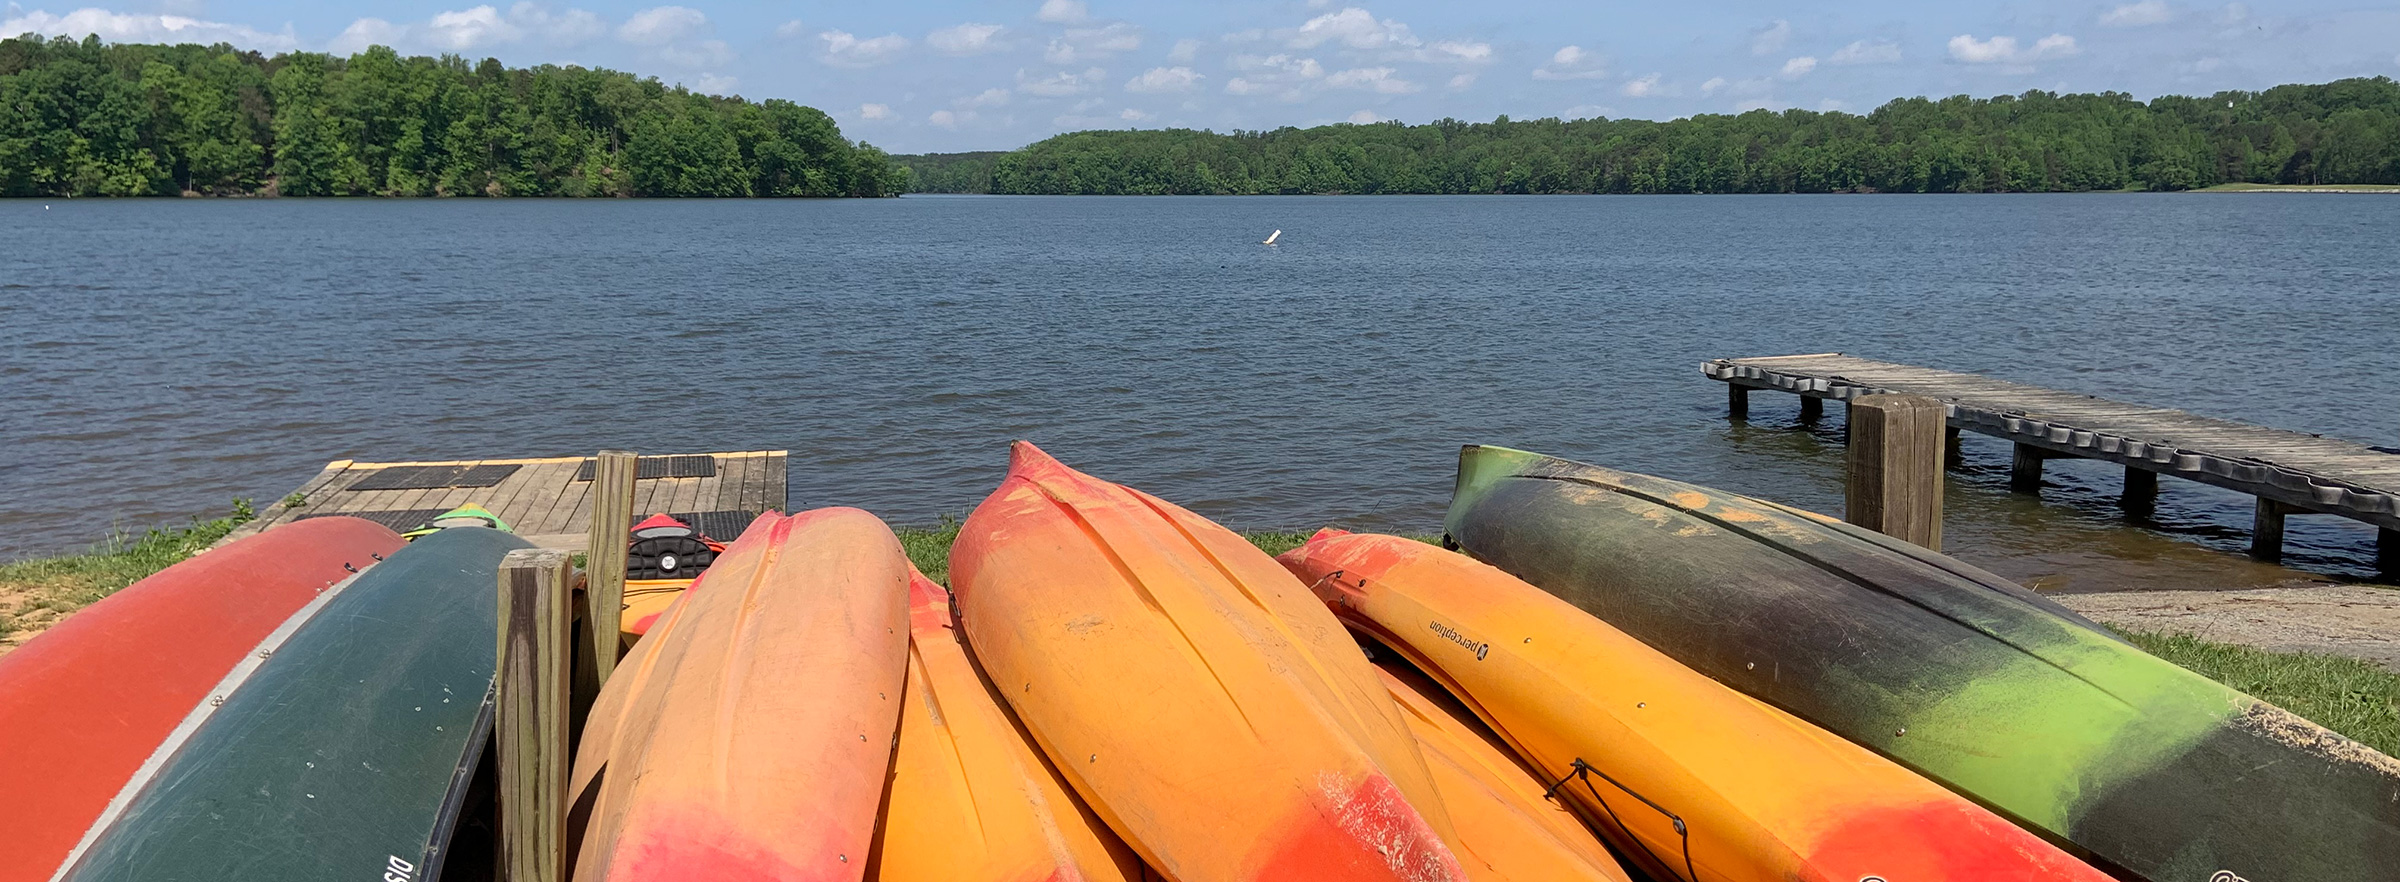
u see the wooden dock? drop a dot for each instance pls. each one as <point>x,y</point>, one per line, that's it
<point>548,500</point>
<point>2288,472</point>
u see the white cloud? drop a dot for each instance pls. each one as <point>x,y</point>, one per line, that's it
<point>713,84</point>
<point>1456,51</point>
<point>2004,50</point>
<point>944,118</point>
<point>1382,80</point>
<point>1165,79</point>
<point>1063,11</point>
<point>1750,104</point>
<point>793,28</point>
<point>1184,51</point>
<point>1364,117</point>
<point>1060,84</point>
<point>874,111</point>
<point>1830,105</point>
<point>1799,67</point>
<point>1133,115</point>
<point>965,39</point>
<point>661,25</point>
<point>1866,52</point>
<point>468,29</point>
<point>1353,28</point>
<point>1642,87</point>
<point>1083,44</point>
<point>473,29</point>
<point>1573,63</point>
<point>1587,111</point>
<point>141,28</point>
<point>1770,39</point>
<point>1713,85</point>
<point>1461,81</point>
<point>357,37</point>
<point>844,49</point>
<point>985,98</point>
<point>2146,12</point>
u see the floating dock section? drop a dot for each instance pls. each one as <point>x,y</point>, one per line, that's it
<point>548,500</point>
<point>2289,472</point>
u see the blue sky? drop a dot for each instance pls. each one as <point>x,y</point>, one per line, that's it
<point>919,76</point>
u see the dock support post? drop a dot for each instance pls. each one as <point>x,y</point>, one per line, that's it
<point>612,520</point>
<point>2387,553</point>
<point>1737,402</point>
<point>2141,492</point>
<point>1895,480</point>
<point>2266,530</point>
<point>529,721</point>
<point>1953,454</point>
<point>2025,472</point>
<point>1811,408</point>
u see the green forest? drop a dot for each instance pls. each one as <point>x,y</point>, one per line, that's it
<point>87,118</point>
<point>2345,132</point>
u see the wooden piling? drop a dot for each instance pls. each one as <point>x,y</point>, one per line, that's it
<point>2387,553</point>
<point>2025,471</point>
<point>2141,492</point>
<point>612,520</point>
<point>1737,402</point>
<point>1811,408</point>
<point>1895,482</point>
<point>2266,530</point>
<point>530,722</point>
<point>1954,454</point>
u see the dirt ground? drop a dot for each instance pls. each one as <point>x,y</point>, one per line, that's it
<point>2362,621</point>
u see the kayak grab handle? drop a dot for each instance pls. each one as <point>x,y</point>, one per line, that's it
<point>1583,770</point>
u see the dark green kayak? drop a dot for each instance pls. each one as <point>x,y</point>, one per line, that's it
<point>2148,769</point>
<point>347,751</point>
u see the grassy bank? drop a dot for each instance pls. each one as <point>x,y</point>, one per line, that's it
<point>2347,695</point>
<point>37,592</point>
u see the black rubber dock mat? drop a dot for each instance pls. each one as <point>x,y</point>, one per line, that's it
<point>400,520</point>
<point>434,477</point>
<point>648,467</point>
<point>723,526</point>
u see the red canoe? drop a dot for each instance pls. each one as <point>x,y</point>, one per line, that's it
<point>85,704</point>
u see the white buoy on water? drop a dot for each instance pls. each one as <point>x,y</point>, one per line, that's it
<point>1271,237</point>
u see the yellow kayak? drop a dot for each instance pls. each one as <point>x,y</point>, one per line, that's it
<point>1507,832</point>
<point>1694,780</point>
<point>971,798</point>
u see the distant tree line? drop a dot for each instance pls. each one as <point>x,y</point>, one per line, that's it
<point>950,172</point>
<point>2345,132</point>
<point>85,118</point>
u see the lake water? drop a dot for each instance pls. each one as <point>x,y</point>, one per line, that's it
<point>166,356</point>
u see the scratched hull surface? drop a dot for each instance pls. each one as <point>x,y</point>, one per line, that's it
<point>748,734</point>
<point>972,799</point>
<point>1508,831</point>
<point>84,705</point>
<point>346,753</point>
<point>1196,696</point>
<point>1759,796</point>
<point>1954,672</point>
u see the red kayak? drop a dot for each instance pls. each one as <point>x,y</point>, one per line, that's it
<point>87,703</point>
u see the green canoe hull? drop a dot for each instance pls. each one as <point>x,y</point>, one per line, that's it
<point>2148,769</point>
<point>346,752</point>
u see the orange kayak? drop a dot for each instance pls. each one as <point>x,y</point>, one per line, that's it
<point>971,798</point>
<point>748,734</point>
<point>1195,694</point>
<point>1507,831</point>
<point>1697,781</point>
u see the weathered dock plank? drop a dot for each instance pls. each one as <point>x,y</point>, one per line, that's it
<point>542,496</point>
<point>2299,472</point>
